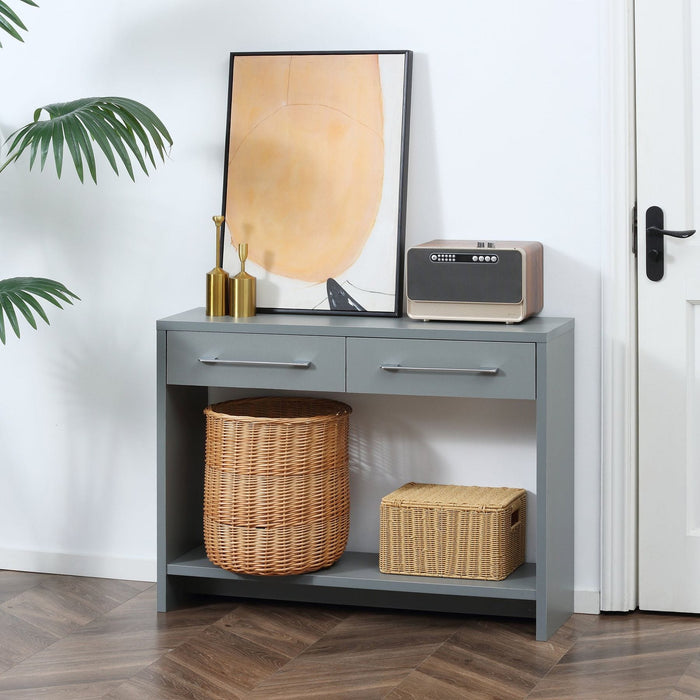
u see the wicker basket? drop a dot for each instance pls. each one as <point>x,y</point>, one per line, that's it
<point>452,531</point>
<point>276,492</point>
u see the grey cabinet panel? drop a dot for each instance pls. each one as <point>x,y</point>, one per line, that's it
<point>305,363</point>
<point>441,368</point>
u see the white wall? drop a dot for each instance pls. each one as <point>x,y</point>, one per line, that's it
<point>505,143</point>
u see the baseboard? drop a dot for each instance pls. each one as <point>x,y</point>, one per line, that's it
<point>587,602</point>
<point>128,569</point>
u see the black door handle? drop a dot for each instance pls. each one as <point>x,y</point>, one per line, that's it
<point>655,242</point>
<point>675,234</point>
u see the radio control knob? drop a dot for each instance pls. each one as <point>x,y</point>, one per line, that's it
<point>433,257</point>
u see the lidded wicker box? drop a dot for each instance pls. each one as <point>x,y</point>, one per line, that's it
<point>474,532</point>
<point>276,485</point>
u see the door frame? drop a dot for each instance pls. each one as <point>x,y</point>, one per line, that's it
<point>618,506</point>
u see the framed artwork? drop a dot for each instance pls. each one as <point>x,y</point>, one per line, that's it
<point>315,178</point>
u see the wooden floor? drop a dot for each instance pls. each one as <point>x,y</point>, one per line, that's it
<point>73,638</point>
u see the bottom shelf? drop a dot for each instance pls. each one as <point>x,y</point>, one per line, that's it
<point>360,570</point>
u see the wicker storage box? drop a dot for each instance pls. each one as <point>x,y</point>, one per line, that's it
<point>452,531</point>
<point>276,493</point>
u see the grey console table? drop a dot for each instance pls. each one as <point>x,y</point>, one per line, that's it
<point>375,355</point>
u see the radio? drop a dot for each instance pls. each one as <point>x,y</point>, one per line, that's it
<point>499,281</point>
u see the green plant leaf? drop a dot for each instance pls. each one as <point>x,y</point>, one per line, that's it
<point>108,139</point>
<point>102,141</point>
<point>125,135</point>
<point>115,124</point>
<point>57,149</point>
<point>20,293</point>
<point>29,299</point>
<point>154,126</point>
<point>21,304</point>
<point>10,22</point>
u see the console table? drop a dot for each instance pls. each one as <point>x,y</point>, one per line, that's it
<point>374,355</point>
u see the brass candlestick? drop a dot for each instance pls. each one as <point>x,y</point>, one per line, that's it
<point>242,289</point>
<point>217,279</point>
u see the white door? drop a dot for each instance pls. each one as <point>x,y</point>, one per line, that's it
<point>667,39</point>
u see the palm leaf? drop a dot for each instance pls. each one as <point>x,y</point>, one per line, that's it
<point>10,22</point>
<point>116,124</point>
<point>20,294</point>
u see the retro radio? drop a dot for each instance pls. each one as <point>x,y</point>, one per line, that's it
<point>474,280</point>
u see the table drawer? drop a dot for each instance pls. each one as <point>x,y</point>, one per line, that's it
<point>261,361</point>
<point>441,368</point>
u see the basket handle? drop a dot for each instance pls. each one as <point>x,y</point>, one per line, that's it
<point>515,518</point>
<point>254,363</point>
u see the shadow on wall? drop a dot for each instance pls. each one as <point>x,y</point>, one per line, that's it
<point>105,400</point>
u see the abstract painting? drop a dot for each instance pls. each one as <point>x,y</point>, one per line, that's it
<point>315,178</point>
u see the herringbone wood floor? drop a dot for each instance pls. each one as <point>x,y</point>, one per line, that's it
<point>74,638</point>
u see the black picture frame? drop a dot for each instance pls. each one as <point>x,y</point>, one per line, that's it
<point>315,178</point>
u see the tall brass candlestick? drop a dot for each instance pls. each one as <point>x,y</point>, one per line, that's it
<point>217,279</point>
<point>242,288</point>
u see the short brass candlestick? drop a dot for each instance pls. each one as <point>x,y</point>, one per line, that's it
<point>242,288</point>
<point>217,279</point>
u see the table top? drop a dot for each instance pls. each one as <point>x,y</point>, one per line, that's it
<point>535,329</point>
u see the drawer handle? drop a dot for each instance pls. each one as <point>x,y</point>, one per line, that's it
<point>451,370</point>
<point>254,363</point>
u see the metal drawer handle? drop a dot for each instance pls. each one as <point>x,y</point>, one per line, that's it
<point>452,370</point>
<point>254,363</point>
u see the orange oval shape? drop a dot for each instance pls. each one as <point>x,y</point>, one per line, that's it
<point>306,161</point>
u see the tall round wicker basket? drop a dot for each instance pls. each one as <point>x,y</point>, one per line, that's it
<point>276,491</point>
